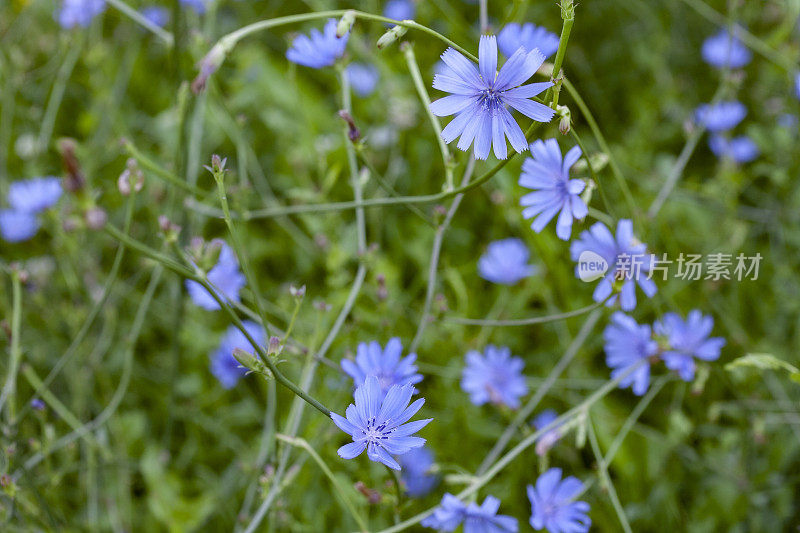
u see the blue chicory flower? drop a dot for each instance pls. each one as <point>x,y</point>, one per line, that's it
<point>627,344</point>
<point>224,365</point>
<point>157,15</point>
<point>687,340</point>
<point>723,50</point>
<point>527,36</point>
<point>224,276</point>
<point>318,50</point>
<point>477,519</point>
<point>415,473</point>
<point>494,377</point>
<point>548,175</point>
<point>79,12</point>
<point>506,262</point>
<point>739,149</point>
<point>385,364</point>
<point>363,78</point>
<point>721,116</point>
<point>378,423</point>
<point>37,404</point>
<point>797,85</point>
<point>34,195</point>
<point>626,260</point>
<point>787,120</point>
<point>553,506</point>
<point>399,10</point>
<point>480,96</point>
<point>550,437</point>
<point>17,226</point>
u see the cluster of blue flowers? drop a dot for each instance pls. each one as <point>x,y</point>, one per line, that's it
<point>554,507</point>
<point>27,199</point>
<point>724,50</point>
<point>632,348</point>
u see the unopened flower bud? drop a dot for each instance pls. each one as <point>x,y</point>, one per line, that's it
<point>217,165</point>
<point>246,359</point>
<point>208,65</point>
<point>168,228</point>
<point>96,218</point>
<point>345,23</point>
<point>394,33</point>
<point>131,178</point>
<point>274,347</point>
<point>565,121</point>
<point>297,292</point>
<point>352,131</point>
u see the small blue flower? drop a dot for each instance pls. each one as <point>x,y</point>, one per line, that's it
<point>688,340</point>
<point>553,506</point>
<point>495,377</point>
<point>548,175</point>
<point>363,78</point>
<point>224,365</point>
<point>157,15</point>
<point>552,436</point>
<point>477,519</point>
<point>480,96</point>
<point>506,262</point>
<point>37,404</point>
<point>527,36</point>
<point>723,50</point>
<point>199,6</point>
<point>740,149</point>
<point>447,516</point>
<point>79,12</point>
<point>626,344</point>
<point>722,116</point>
<point>17,226</point>
<point>399,10</point>
<point>626,258</point>
<point>224,276</point>
<point>385,364</point>
<point>787,120</point>
<point>378,423</point>
<point>320,49</point>
<point>34,195</point>
<point>415,474</point>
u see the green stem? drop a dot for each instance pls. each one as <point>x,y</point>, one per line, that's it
<point>139,19</point>
<point>10,387</point>
<point>523,321</point>
<point>605,480</point>
<point>566,29</point>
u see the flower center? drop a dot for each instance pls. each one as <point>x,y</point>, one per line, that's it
<point>376,433</point>
<point>490,99</point>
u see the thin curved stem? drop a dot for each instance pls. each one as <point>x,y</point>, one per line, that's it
<point>10,387</point>
<point>605,479</point>
<point>137,17</point>
<point>522,321</point>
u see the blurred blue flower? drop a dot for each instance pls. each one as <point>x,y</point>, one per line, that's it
<point>447,516</point>
<point>797,85</point>
<point>527,36</point>
<point>415,473</point>
<point>506,262</point>
<point>477,519</point>
<point>34,195</point>
<point>399,10</point>
<point>787,120</point>
<point>480,96</point>
<point>199,6</point>
<point>626,259</point>
<point>626,344</point>
<point>224,365</point>
<point>378,423</point>
<point>224,276</point>
<point>552,505</point>
<point>157,15</point>
<point>320,49</point>
<point>687,340</point>
<point>385,364</point>
<point>548,175</point>
<point>17,226</point>
<point>740,149</point>
<point>79,12</point>
<point>721,116</point>
<point>37,404</point>
<point>724,50</point>
<point>494,377</point>
<point>363,78</point>
<point>552,436</point>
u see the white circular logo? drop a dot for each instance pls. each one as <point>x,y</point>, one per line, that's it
<point>591,266</point>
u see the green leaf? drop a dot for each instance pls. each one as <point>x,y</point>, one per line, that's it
<point>764,361</point>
